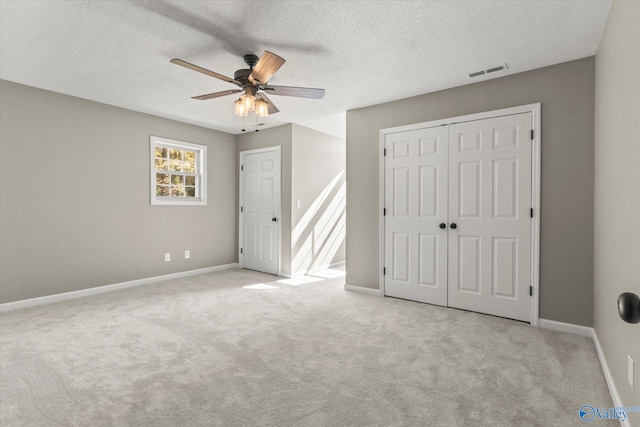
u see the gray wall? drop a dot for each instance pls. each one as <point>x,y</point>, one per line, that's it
<point>566,92</point>
<point>74,200</point>
<point>278,136</point>
<point>617,193</point>
<point>318,181</point>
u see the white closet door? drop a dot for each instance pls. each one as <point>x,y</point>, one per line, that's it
<point>416,205</point>
<point>490,201</point>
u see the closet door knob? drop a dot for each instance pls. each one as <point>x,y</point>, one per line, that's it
<point>453,226</point>
<point>443,225</point>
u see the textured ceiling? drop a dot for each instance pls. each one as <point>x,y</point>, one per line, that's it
<point>361,52</point>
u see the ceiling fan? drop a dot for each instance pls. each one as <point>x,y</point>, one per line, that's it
<point>253,82</point>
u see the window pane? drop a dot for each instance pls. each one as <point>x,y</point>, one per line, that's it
<point>189,156</point>
<point>177,191</point>
<point>190,180</point>
<point>162,178</point>
<point>190,191</point>
<point>189,167</point>
<point>176,154</point>
<point>162,190</point>
<point>162,152</point>
<point>177,179</point>
<point>161,164</point>
<point>176,165</point>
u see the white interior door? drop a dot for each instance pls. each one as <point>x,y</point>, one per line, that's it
<point>260,210</point>
<point>490,202</point>
<point>416,204</point>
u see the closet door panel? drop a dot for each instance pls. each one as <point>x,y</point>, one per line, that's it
<point>416,174</point>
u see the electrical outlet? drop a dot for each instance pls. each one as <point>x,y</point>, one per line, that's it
<point>167,256</point>
<point>630,370</point>
<point>187,254</point>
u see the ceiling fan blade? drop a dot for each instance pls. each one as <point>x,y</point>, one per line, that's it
<point>300,92</point>
<point>204,71</point>
<point>271,106</point>
<point>216,94</point>
<point>266,67</point>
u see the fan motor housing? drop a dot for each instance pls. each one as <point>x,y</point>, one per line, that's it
<point>242,75</point>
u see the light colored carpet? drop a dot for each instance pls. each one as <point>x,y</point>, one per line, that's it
<point>208,351</point>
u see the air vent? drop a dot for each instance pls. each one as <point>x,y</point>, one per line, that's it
<point>477,73</point>
<point>489,70</point>
<point>494,69</point>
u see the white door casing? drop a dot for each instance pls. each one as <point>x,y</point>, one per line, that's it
<point>490,202</point>
<point>416,181</point>
<point>491,257</point>
<point>260,210</point>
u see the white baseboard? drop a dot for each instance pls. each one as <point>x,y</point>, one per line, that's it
<point>314,270</point>
<point>613,391</point>
<point>565,327</point>
<point>337,264</point>
<point>107,288</point>
<point>590,332</point>
<point>363,290</point>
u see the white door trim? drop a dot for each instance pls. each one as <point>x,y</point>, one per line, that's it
<point>278,208</point>
<point>535,110</point>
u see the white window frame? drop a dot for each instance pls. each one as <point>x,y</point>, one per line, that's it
<point>201,172</point>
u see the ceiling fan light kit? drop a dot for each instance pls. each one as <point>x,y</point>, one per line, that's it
<point>253,83</point>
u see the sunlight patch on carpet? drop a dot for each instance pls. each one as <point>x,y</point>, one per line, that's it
<point>260,286</point>
<point>303,280</point>
<point>329,274</point>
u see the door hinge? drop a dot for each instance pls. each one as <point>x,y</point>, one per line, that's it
<point>240,250</point>
<point>241,209</point>
<point>384,211</point>
<point>532,134</point>
<point>530,291</point>
<point>531,213</point>
<point>384,152</point>
<point>241,167</point>
<point>384,271</point>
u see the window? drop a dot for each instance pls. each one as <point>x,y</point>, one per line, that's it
<point>178,172</point>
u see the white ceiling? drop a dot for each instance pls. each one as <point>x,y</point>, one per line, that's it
<point>362,52</point>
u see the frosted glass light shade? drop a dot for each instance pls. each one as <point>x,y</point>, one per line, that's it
<point>262,108</point>
<point>241,109</point>
<point>249,102</point>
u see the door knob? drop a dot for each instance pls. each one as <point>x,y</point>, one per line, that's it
<point>629,307</point>
<point>453,226</point>
<point>274,219</point>
<point>443,225</point>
